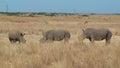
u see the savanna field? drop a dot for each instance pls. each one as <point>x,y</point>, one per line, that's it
<point>58,54</point>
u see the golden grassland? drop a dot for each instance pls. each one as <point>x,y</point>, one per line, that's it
<point>57,54</point>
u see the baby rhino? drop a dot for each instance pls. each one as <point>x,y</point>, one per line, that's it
<point>56,35</point>
<point>97,34</point>
<point>15,36</point>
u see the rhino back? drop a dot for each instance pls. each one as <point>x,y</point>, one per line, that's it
<point>59,35</point>
<point>14,34</point>
<point>97,34</point>
<point>49,35</point>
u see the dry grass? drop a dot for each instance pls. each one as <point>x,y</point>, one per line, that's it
<point>59,55</point>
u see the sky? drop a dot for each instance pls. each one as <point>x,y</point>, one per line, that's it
<point>61,6</point>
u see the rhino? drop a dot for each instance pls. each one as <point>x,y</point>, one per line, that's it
<point>97,34</point>
<point>15,36</point>
<point>56,35</point>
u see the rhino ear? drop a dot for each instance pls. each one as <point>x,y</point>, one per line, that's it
<point>22,34</point>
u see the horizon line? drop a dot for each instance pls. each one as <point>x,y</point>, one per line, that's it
<point>60,13</point>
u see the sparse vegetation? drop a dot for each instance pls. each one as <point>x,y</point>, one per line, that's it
<point>85,15</point>
<point>28,14</point>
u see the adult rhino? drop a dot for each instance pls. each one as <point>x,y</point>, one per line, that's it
<point>97,34</point>
<point>15,36</point>
<point>56,35</point>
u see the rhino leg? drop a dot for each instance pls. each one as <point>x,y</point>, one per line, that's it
<point>92,41</point>
<point>12,40</point>
<point>50,41</point>
<point>107,42</point>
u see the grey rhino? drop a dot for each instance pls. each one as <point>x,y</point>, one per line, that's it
<point>15,36</point>
<point>56,35</point>
<point>97,34</point>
